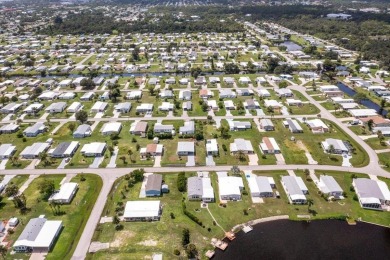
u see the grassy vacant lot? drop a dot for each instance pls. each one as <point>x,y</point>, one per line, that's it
<point>74,218</point>
<point>140,239</point>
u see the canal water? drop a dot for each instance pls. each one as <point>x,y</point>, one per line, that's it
<point>368,103</point>
<point>321,239</point>
<point>291,46</point>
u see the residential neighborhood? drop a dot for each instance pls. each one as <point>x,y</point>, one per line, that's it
<point>170,134</point>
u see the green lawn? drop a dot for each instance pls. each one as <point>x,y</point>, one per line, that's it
<point>74,218</point>
<point>384,159</point>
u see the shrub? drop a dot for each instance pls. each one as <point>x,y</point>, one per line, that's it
<point>176,252</point>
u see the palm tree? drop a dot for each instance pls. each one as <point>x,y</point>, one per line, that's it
<point>3,251</point>
<point>310,203</point>
<point>43,158</point>
<point>240,155</point>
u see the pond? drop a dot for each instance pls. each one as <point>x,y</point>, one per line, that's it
<point>321,239</point>
<point>291,46</point>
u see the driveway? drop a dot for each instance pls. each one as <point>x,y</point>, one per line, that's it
<point>96,162</point>
<point>190,160</point>
<point>142,193</point>
<point>3,163</point>
<point>210,160</point>
<point>253,158</point>
<point>217,122</point>
<point>99,115</point>
<point>157,161</point>
<point>260,112</point>
<point>63,164</point>
<point>112,163</point>
<point>280,159</point>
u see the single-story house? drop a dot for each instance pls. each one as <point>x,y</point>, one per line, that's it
<point>267,124</point>
<point>64,149</point>
<point>152,150</point>
<point>87,96</point>
<point>134,94</point>
<point>372,194</point>
<point>94,149</point>
<point>35,129</point>
<point>241,145</point>
<point>74,107</point>
<point>6,151</point>
<point>269,146</point>
<point>230,187</point>
<point>9,128</point>
<point>160,128</point>
<point>58,107</point>
<point>199,188</point>
<point>293,125</point>
<point>212,147</point>
<point>317,126</point>
<point>185,95</point>
<point>336,146</point>
<point>33,108</point>
<point>38,235</point>
<point>99,106</point>
<point>329,186</point>
<point>185,148</point>
<point>166,106</point>
<point>111,128</point>
<point>142,210</point>
<point>295,189</point>
<point>238,125</point>
<point>144,107</point>
<point>10,108</point>
<point>188,128</point>
<point>153,185</point>
<point>260,186</point>
<point>82,131</point>
<point>361,113</point>
<point>65,194</point>
<point>33,151</point>
<point>139,128</point>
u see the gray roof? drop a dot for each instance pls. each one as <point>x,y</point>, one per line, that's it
<point>34,128</point>
<point>266,122</point>
<point>188,127</point>
<point>32,229</point>
<point>331,183</point>
<point>61,148</point>
<point>293,124</point>
<point>368,188</point>
<point>263,184</point>
<point>154,182</point>
<point>292,185</point>
<point>162,127</point>
<point>186,147</point>
<point>82,129</point>
<point>58,105</point>
<point>194,186</point>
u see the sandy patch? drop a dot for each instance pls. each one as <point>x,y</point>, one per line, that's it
<point>121,237</point>
<point>149,242</point>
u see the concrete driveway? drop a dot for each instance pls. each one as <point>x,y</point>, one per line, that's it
<point>210,160</point>
<point>253,158</point>
<point>63,164</point>
<point>112,163</point>
<point>96,162</point>
<point>157,161</point>
<point>190,160</point>
<point>280,159</point>
<point>3,163</point>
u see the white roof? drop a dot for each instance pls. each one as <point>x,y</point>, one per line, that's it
<point>35,149</point>
<point>316,123</point>
<point>362,112</point>
<point>230,185</point>
<point>212,145</point>
<point>208,191</point>
<point>74,106</point>
<point>272,103</point>
<point>45,237</point>
<point>6,149</point>
<point>139,209</point>
<point>111,127</point>
<point>93,148</point>
<point>99,105</point>
<point>65,191</point>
